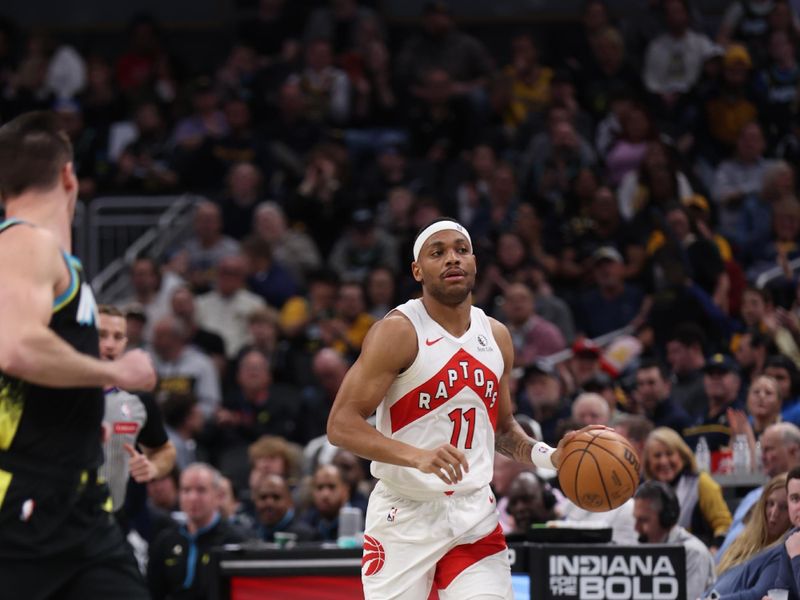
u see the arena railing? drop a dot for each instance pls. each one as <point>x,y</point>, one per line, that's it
<point>120,229</point>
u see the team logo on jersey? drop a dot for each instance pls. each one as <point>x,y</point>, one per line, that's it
<point>483,344</point>
<point>373,557</point>
<point>392,515</point>
<point>87,307</point>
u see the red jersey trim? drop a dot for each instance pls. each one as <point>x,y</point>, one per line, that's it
<point>461,371</point>
<point>460,558</point>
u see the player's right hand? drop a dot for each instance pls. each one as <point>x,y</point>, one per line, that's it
<point>447,462</point>
<point>135,372</point>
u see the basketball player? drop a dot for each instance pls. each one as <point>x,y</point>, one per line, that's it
<point>129,420</point>
<point>436,369</point>
<point>55,538</point>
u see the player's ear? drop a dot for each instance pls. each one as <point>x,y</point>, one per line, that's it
<point>416,271</point>
<point>68,178</point>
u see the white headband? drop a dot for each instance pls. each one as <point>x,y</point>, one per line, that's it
<point>436,228</point>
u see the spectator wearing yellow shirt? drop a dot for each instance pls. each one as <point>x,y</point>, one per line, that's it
<point>530,80</point>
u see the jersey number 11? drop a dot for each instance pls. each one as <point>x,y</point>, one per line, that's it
<point>469,416</point>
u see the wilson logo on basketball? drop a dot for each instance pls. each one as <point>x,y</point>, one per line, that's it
<point>630,456</point>
<point>373,557</point>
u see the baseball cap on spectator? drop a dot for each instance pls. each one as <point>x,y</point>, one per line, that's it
<point>737,54</point>
<point>606,253</point>
<point>720,363</point>
<point>436,6</point>
<point>586,348</point>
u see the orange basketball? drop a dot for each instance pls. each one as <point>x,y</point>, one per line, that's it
<point>599,470</point>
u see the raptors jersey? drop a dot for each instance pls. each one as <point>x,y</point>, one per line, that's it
<point>449,394</point>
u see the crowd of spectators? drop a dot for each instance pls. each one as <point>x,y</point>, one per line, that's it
<point>633,176</point>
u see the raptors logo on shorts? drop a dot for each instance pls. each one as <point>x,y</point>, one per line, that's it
<point>373,557</point>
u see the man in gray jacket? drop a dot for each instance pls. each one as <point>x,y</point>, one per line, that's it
<point>656,511</point>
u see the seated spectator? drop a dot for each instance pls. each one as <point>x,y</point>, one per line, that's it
<point>329,494</point>
<point>590,409</point>
<point>328,368</point>
<point>162,504</point>
<point>352,469</point>
<point>243,191</point>
<point>242,144</point>
<point>541,398</point>
<point>763,404</point>
<point>768,521</point>
<point>441,121</point>
<point>224,310</point>
<point>782,244</point>
<point>750,349</point>
<point>612,303</point>
<point>293,249</point>
<point>773,568</point>
<point>760,313</point>
<point>583,366</point>
<point>182,368</point>
<point>529,502</point>
<point>727,109</point>
<point>789,569</point>
<point>275,511</point>
<point>172,573</point>
<point>657,513</point>
<point>674,60</point>
<point>776,85</point>
<point>638,190</point>
<point>207,246</point>
<point>532,336</point>
<point>440,45</point>
<point>635,429</point>
<point>326,86</point>
<point>509,264</point>
<point>363,247</point>
<point>273,455</point>
<point>266,277</point>
<point>530,79</point>
<point>723,386</point>
<point>780,451</point>
<point>183,307</point>
<point>205,121</point>
<point>654,399</point>
<point>264,332</point>
<point>703,510</point>
<point>183,421</point>
<point>783,370</point>
<point>322,203</point>
<point>381,292</point>
<point>257,407</point>
<point>626,154</point>
<point>152,291</point>
<point>346,329</point>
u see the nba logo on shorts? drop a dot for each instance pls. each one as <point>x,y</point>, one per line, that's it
<point>373,557</point>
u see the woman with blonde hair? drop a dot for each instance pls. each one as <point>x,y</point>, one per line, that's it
<point>769,520</point>
<point>704,512</point>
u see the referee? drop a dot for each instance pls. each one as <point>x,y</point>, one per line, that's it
<point>56,541</point>
<point>129,421</point>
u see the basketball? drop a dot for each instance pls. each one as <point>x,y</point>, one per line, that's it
<point>599,470</point>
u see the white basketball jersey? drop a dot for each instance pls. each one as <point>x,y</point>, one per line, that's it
<point>448,394</point>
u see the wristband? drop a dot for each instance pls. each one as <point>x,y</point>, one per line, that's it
<point>541,456</point>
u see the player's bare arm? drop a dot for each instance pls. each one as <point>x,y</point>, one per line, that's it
<point>510,439</point>
<point>34,272</point>
<point>390,347</point>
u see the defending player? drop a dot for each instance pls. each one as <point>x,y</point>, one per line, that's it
<point>436,369</point>
<point>55,538</point>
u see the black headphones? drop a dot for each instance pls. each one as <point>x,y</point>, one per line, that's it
<point>670,507</point>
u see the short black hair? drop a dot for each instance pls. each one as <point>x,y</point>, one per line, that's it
<point>689,334</point>
<point>33,150</point>
<point>653,363</point>
<point>793,474</point>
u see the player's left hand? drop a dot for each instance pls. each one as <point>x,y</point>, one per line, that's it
<point>141,469</point>
<point>556,457</point>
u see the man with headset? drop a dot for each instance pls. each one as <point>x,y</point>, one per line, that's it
<point>656,512</point>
